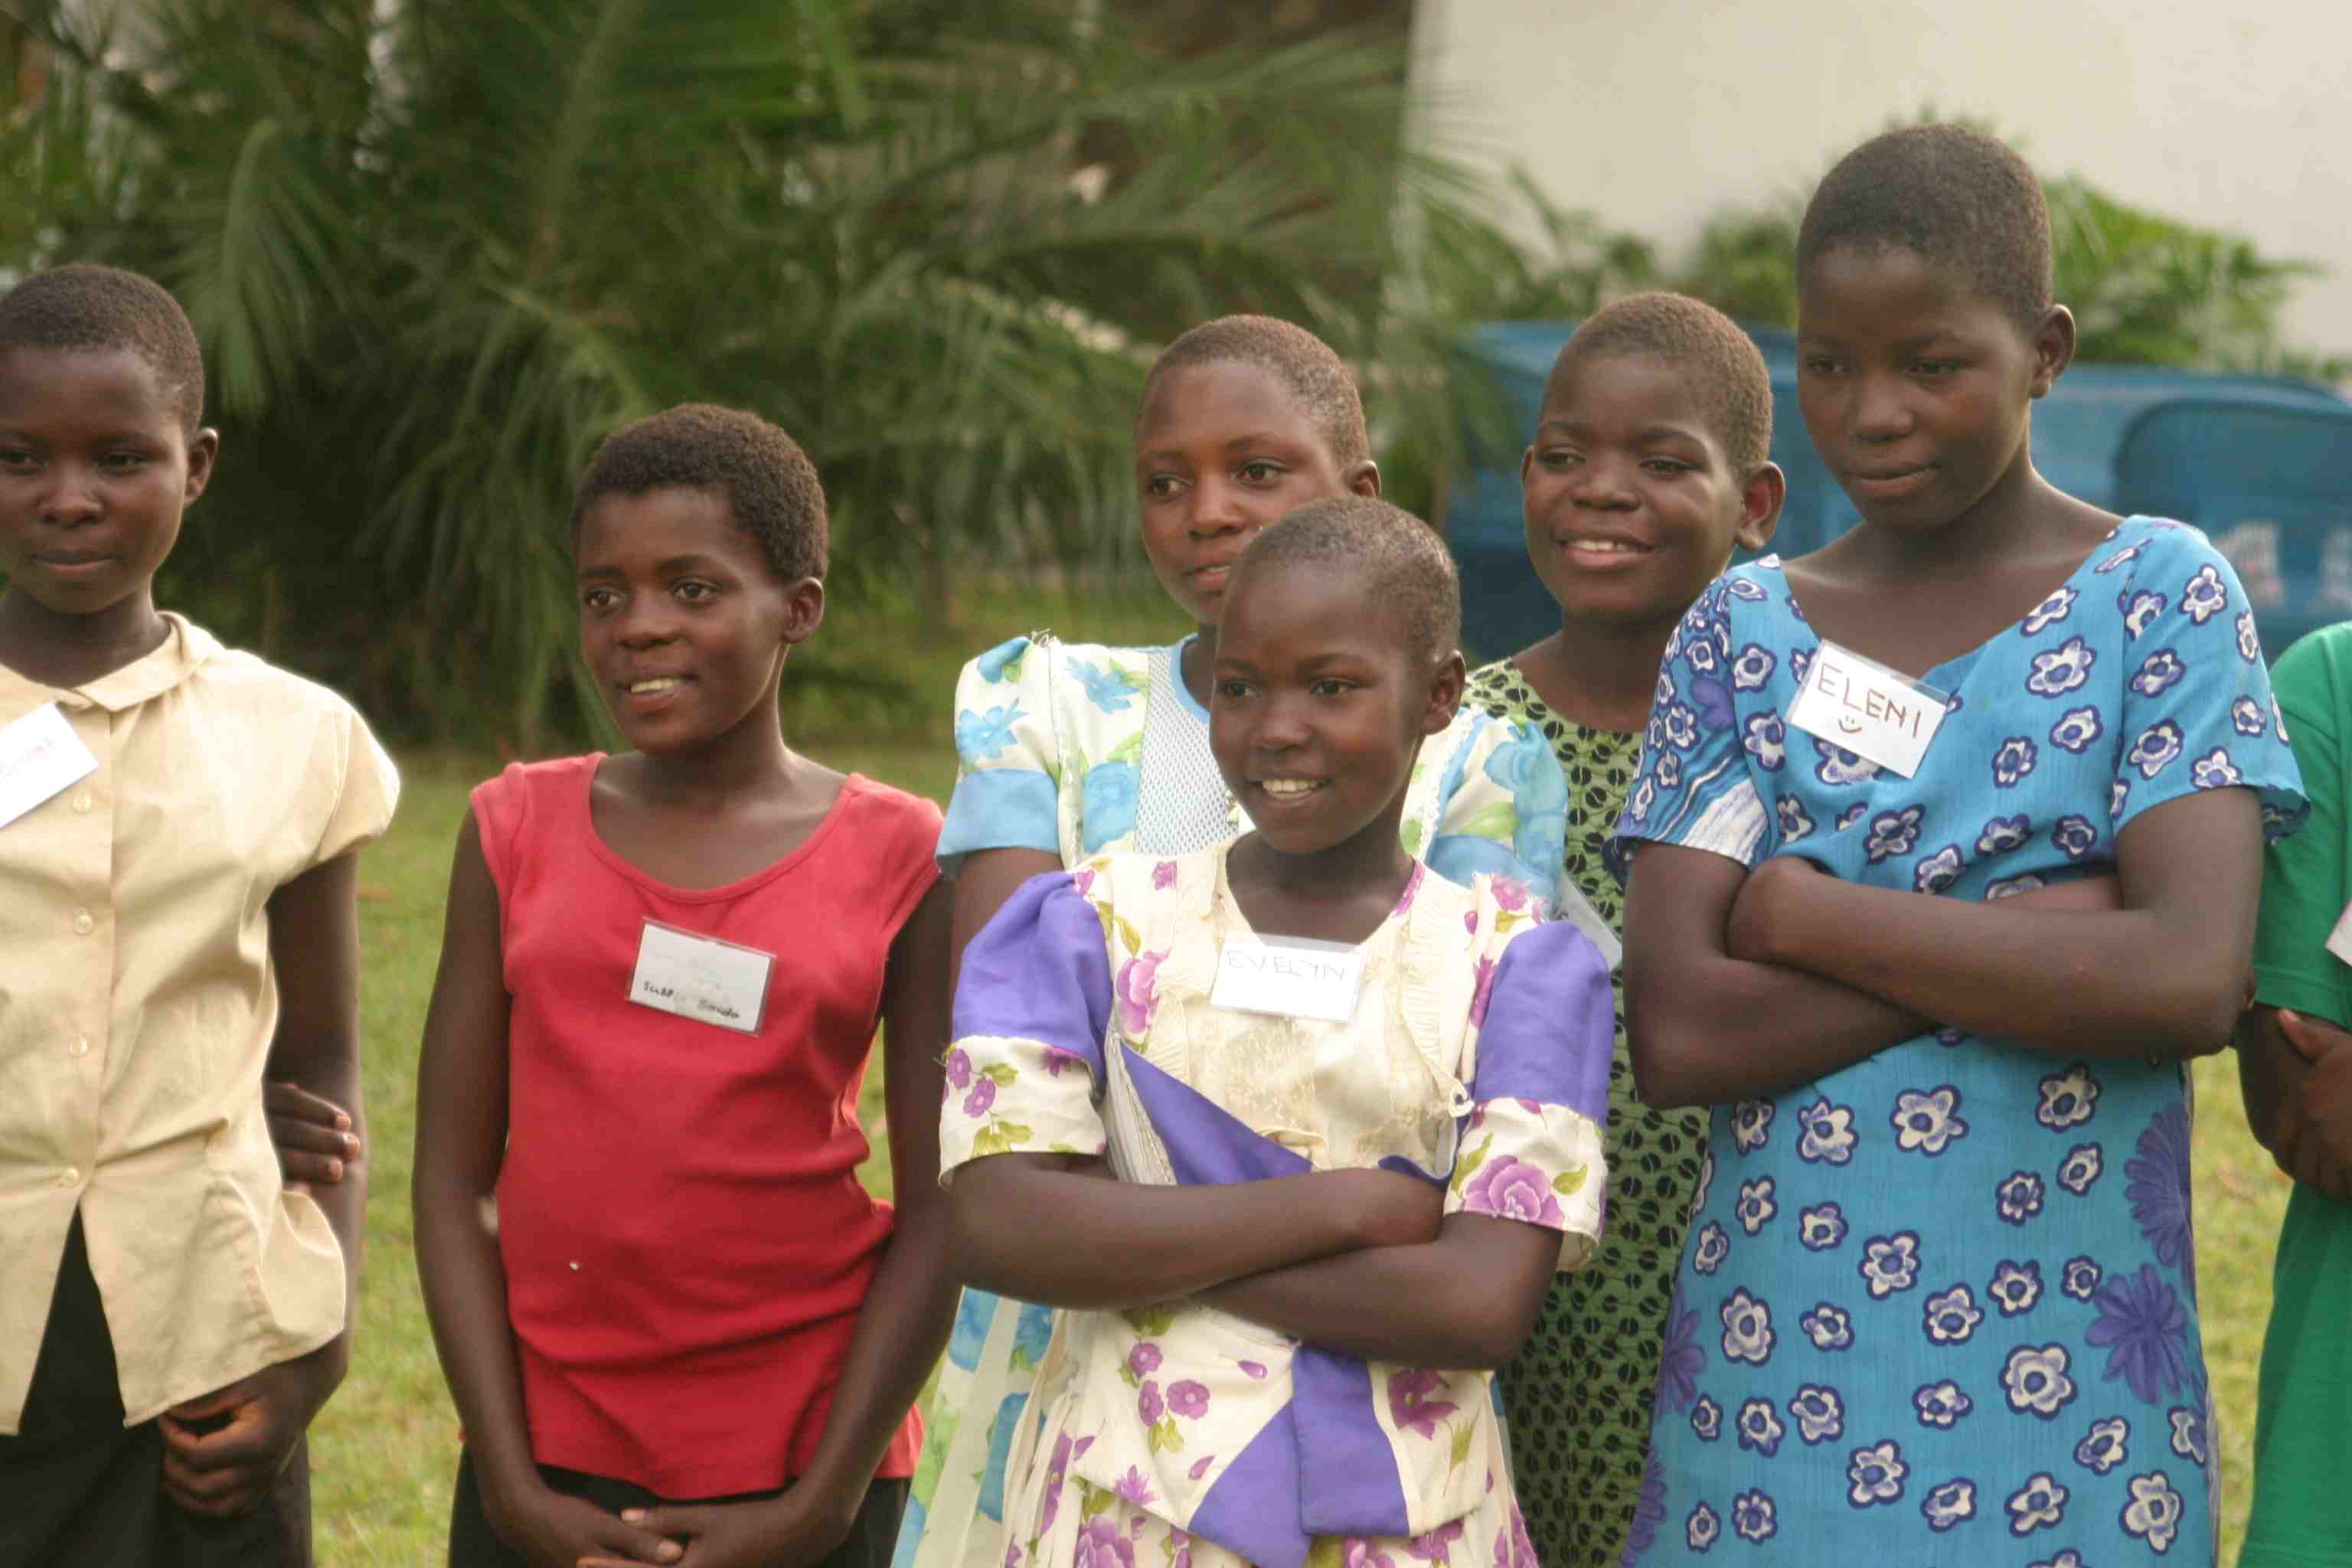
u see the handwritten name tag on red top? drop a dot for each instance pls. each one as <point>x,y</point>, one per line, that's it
<point>700,977</point>
<point>1881,715</point>
<point>1290,977</point>
<point>39,755</point>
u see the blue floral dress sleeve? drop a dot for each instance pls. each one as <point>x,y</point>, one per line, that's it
<point>1501,805</point>
<point>2197,712</point>
<point>1006,758</point>
<point>1693,786</point>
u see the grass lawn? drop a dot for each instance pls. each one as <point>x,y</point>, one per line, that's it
<point>386,1448</point>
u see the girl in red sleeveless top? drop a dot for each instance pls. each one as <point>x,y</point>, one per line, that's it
<point>690,1336</point>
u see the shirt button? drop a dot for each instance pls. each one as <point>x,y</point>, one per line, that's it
<point>79,1049</point>
<point>69,1177</point>
<point>82,802</point>
<point>83,923</point>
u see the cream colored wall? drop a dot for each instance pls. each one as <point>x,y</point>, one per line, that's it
<point>2233,115</point>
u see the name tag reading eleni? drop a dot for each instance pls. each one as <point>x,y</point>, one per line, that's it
<point>1288,977</point>
<point>700,977</point>
<point>1881,715</point>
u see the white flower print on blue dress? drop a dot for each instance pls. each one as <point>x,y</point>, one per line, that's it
<point>1978,1342</point>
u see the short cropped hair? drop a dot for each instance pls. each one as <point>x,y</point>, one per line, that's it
<point>769,484</point>
<point>1408,574</point>
<point>1955,196</point>
<point>1722,364</point>
<point>99,310</point>
<point>1305,366</point>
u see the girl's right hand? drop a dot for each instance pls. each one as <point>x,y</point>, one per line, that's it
<point>1393,1209</point>
<point>552,1530</point>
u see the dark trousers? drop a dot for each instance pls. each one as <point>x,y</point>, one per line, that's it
<point>79,1489</point>
<point>473,1544</point>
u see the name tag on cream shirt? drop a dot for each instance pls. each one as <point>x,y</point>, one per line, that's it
<point>1288,977</point>
<point>700,977</point>
<point>39,756</point>
<point>1881,715</point>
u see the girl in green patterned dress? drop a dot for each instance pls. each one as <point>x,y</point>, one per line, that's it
<point>1648,467</point>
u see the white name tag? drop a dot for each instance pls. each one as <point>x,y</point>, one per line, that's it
<point>701,978</point>
<point>2339,941</point>
<point>1881,715</point>
<point>39,755</point>
<point>1290,977</point>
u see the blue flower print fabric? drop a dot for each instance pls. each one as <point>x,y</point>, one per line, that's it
<point>1941,1306</point>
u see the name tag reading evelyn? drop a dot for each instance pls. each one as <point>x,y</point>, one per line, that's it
<point>1288,977</point>
<point>700,977</point>
<point>39,756</point>
<point>1881,715</point>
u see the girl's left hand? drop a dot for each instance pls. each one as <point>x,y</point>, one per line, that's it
<point>802,1526</point>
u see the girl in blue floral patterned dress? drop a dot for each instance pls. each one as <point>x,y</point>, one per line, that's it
<point>1069,750</point>
<point>1939,1301</point>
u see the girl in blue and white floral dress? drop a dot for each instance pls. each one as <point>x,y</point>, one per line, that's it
<point>1939,1302</point>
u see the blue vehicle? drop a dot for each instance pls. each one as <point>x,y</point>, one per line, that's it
<point>2262,464</point>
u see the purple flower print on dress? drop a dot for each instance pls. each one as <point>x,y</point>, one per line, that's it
<point>1820,1412</point>
<point>1163,876</point>
<point>2104,1446</point>
<point>1937,871</point>
<point>2003,834</point>
<point>2247,718</point>
<point>1702,1527</point>
<point>1681,1360</point>
<point>2130,553</point>
<point>1134,1488</point>
<point>1189,1399</point>
<point>1512,1548</point>
<point>1706,1418</point>
<point>2019,1196</point>
<point>2187,1433</point>
<point>2051,611</point>
<point>2159,1185</point>
<point>1754,1517</point>
<point>1800,663</point>
<point>2081,1168</point>
<point>1712,694</point>
<point>1794,823</point>
<point>1510,1188</point>
<point>2061,670</point>
<point>1951,1318</point>
<point>2076,728</point>
<point>1437,1545</point>
<point>2039,1503</point>
<point>1752,668</point>
<point>1201,1467</point>
<point>1056,1059</point>
<point>1747,1328</point>
<point>1875,1474</point>
<point>1830,1328</point>
<point>1143,1359</point>
<point>1712,1248</point>
<point>1759,1427</point>
<point>1893,832</point>
<point>1148,1405</point>
<point>2250,642</point>
<point>1766,740</point>
<point>1357,1553</point>
<point>1756,1206</point>
<point>2073,836</point>
<point>1254,1368</point>
<point>2080,1279</point>
<point>2158,673</point>
<point>1941,1404</point>
<point>1852,815</point>
<point>982,1096</point>
<point>1649,1512</point>
<point>2068,1099</point>
<point>2215,771</point>
<point>1828,1133</point>
<point>1890,1263</point>
<point>1411,1408</point>
<point>1055,1471</point>
<point>1952,1503</point>
<point>2140,609</point>
<point>1926,1121</point>
<point>2144,1328</point>
<point>2202,596</point>
<point>1679,726</point>
<point>2153,1515</point>
<point>1839,768</point>
<point>1082,881</point>
<point>1011,1554</point>
<point>2158,748</point>
<point>1100,1545</point>
<point>958,1069</point>
<point>2015,1286</point>
<point>1137,991</point>
<point>2013,760</point>
<point>1483,994</point>
<point>2038,1381</point>
<point>1821,1228</point>
<point>1179,1539</point>
<point>1751,1124</point>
